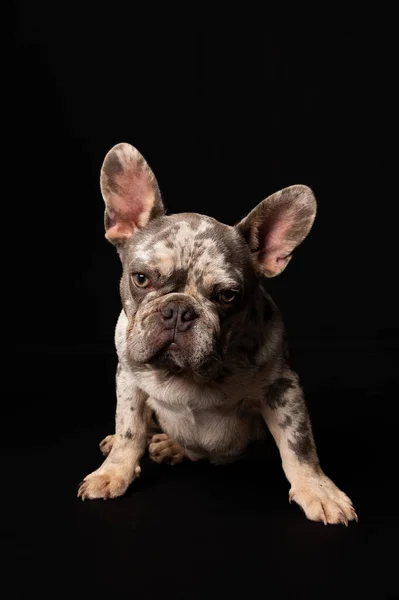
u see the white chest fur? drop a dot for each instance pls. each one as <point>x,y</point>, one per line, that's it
<point>208,421</point>
<point>201,418</point>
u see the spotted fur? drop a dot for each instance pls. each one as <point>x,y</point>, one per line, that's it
<point>199,376</point>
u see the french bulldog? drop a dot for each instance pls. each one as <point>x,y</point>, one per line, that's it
<point>202,368</point>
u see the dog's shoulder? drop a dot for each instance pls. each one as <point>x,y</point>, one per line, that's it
<point>120,336</point>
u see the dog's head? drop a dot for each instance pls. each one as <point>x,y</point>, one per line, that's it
<point>190,284</point>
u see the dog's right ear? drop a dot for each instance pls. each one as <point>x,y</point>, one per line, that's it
<point>275,227</point>
<point>130,191</point>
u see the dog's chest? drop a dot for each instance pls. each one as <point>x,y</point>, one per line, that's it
<point>205,432</point>
<point>200,418</point>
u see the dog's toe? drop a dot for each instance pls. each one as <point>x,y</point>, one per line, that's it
<point>323,501</point>
<point>106,444</point>
<point>163,449</point>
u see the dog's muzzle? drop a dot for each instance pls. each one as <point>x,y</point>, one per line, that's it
<point>179,316</point>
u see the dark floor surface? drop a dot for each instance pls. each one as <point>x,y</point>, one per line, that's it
<point>195,531</point>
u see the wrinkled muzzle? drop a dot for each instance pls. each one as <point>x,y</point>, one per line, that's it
<point>176,331</point>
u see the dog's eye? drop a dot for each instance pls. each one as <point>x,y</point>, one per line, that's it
<point>140,280</point>
<point>227,296</point>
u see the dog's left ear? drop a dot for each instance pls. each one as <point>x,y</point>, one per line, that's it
<point>130,191</point>
<point>275,227</point>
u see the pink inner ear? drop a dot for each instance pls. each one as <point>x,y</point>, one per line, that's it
<point>124,217</point>
<point>277,235</point>
<point>129,204</point>
<point>120,230</point>
<point>277,225</point>
<point>274,245</point>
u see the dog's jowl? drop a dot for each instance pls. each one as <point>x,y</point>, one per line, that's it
<point>200,343</point>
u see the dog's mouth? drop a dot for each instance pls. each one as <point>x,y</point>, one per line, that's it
<point>175,349</point>
<point>170,354</point>
<point>203,374</point>
<point>175,357</point>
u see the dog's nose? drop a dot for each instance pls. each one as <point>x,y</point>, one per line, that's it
<point>178,316</point>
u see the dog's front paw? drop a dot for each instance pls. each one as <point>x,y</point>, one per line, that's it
<point>109,483</point>
<point>321,500</point>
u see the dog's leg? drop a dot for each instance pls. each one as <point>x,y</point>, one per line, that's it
<point>286,415</point>
<point>152,428</point>
<point>161,448</point>
<point>127,446</point>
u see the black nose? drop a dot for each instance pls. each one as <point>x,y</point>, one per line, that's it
<point>179,316</point>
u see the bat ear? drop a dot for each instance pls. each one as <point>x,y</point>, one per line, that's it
<point>130,191</point>
<point>275,227</point>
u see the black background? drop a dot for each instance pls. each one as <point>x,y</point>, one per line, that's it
<point>228,104</point>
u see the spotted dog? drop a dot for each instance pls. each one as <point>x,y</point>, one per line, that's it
<point>200,343</point>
